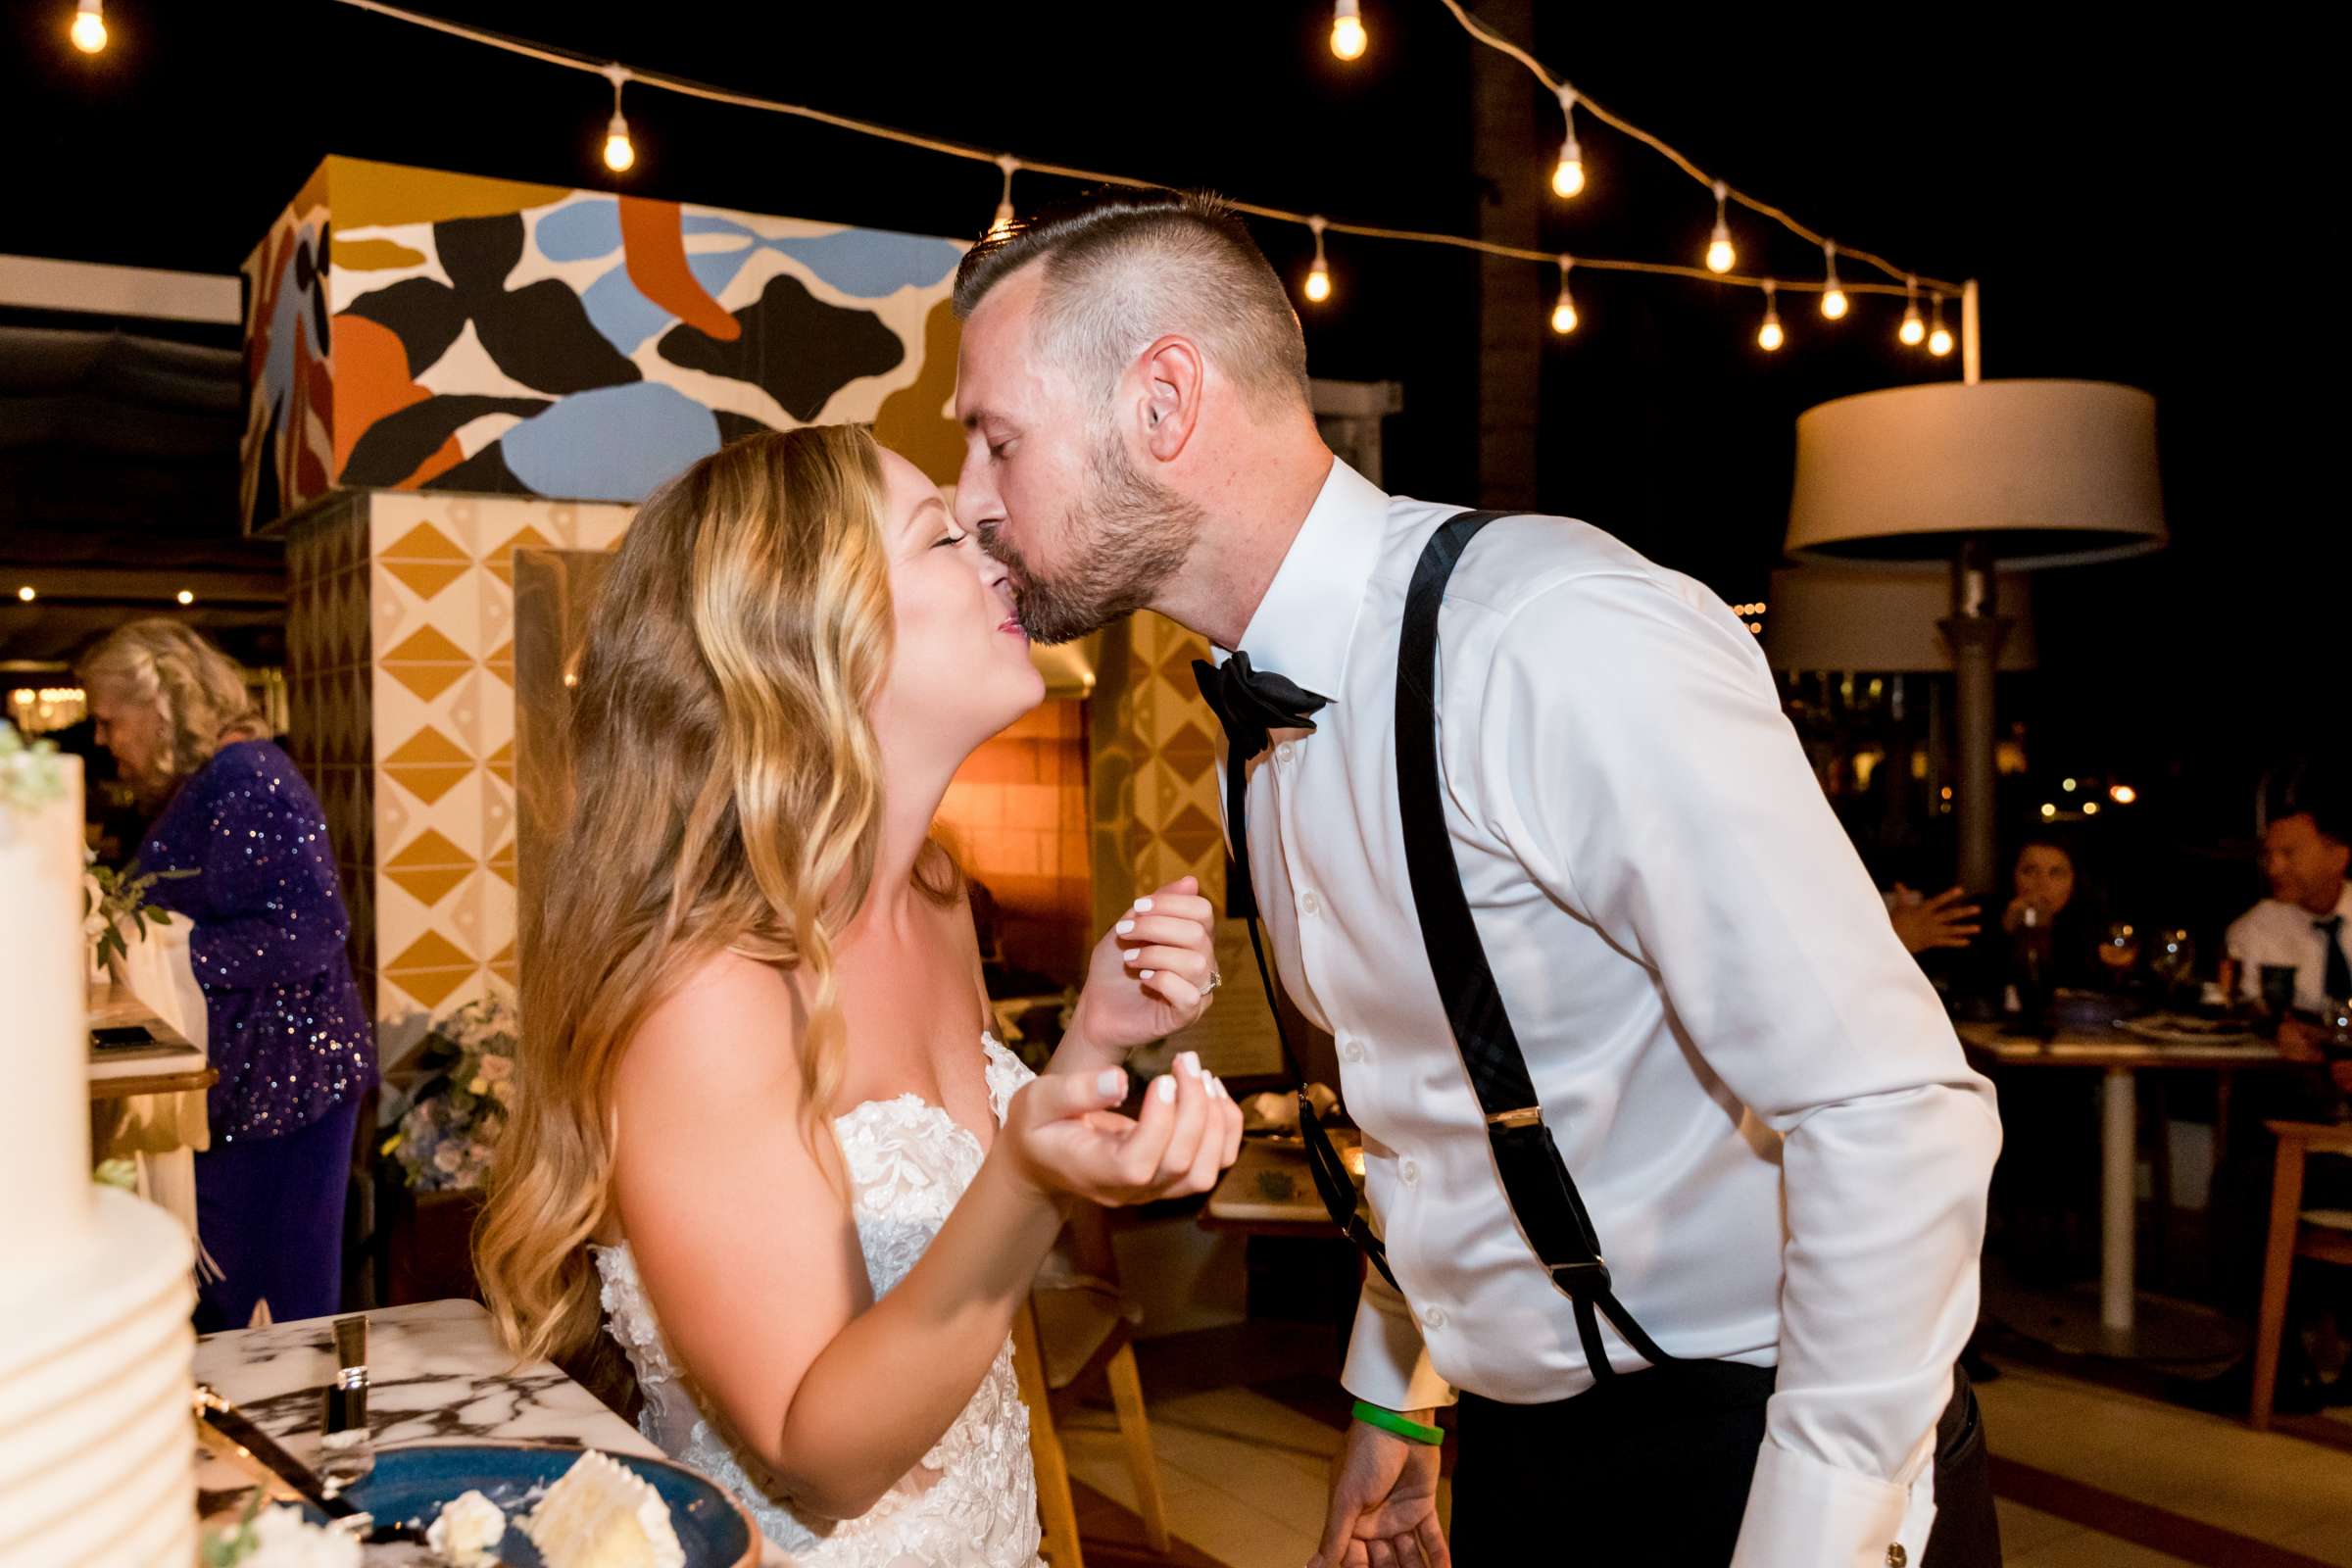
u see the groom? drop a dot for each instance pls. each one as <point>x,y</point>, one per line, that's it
<point>1685,969</point>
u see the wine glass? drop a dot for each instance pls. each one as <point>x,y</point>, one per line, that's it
<point>2173,960</point>
<point>2120,951</point>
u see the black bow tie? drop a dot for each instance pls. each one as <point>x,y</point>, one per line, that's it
<point>1249,704</point>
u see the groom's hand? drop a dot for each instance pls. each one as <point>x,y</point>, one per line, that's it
<point>1383,1504</point>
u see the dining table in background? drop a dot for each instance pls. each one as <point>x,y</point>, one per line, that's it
<point>2120,1057</point>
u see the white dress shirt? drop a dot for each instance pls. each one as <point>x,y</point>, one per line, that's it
<point>2277,932</point>
<point>1765,1109</point>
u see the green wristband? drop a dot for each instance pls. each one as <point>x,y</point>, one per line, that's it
<point>1404,1426</point>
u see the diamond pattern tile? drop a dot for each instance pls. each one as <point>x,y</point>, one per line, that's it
<point>429,868</point>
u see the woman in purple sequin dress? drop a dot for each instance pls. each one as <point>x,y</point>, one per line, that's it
<point>288,1035</point>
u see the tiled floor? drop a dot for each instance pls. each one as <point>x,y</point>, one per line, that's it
<point>2115,1479</point>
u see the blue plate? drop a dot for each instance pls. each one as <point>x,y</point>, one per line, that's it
<point>409,1484</point>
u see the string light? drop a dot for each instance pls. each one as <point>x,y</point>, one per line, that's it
<point>1568,175</point>
<point>1769,336</point>
<point>619,152</point>
<point>1832,297</point>
<point>185,596</point>
<point>88,30</point>
<point>1939,340</point>
<point>26,593</point>
<point>1004,220</point>
<point>1347,35</point>
<point>1318,276</point>
<point>2121,794</point>
<point>1720,254</point>
<point>1913,331</point>
<point>1563,314</point>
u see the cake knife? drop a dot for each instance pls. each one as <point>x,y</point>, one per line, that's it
<point>263,1449</point>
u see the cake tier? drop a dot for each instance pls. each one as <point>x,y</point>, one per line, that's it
<point>44,1039</point>
<point>97,1455</point>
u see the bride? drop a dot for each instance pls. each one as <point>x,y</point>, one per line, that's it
<point>759,1117</point>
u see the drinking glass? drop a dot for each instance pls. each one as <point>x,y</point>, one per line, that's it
<point>2173,960</point>
<point>2120,951</point>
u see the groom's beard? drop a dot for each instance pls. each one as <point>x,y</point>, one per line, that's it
<point>1129,534</point>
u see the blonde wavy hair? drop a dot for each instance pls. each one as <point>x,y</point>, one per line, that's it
<point>198,692</point>
<point>726,796</point>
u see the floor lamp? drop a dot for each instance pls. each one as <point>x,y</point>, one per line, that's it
<point>2021,474</point>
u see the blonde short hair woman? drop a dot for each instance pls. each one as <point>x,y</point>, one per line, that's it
<point>757,1118</point>
<point>287,1029</point>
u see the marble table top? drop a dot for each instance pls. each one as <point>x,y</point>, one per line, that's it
<point>436,1372</point>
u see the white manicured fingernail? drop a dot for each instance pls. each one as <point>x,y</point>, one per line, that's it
<point>1142,906</point>
<point>1112,1081</point>
<point>1164,1090</point>
<point>1131,955</point>
<point>1146,975</point>
<point>1216,1086</point>
<point>1123,927</point>
<point>1190,1062</point>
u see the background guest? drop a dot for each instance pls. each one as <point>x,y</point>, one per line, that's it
<point>288,1035</point>
<point>1925,924</point>
<point>2302,924</point>
<point>2047,887</point>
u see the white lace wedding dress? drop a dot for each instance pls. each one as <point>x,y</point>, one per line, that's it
<point>972,1501</point>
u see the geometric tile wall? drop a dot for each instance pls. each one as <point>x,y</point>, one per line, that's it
<point>1154,771</point>
<point>401,655</point>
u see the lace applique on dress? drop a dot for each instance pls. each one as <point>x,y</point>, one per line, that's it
<point>972,1501</point>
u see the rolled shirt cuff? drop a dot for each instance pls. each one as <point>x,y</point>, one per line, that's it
<point>1388,1365</point>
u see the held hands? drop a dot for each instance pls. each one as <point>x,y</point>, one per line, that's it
<point>1383,1504</point>
<point>1063,1135</point>
<point>1152,972</point>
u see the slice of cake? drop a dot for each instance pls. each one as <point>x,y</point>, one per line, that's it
<point>602,1515</point>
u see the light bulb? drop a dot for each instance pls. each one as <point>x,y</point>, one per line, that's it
<point>1914,330</point>
<point>26,593</point>
<point>1769,336</point>
<point>1568,174</point>
<point>90,26</point>
<point>185,596</point>
<point>1939,341</point>
<point>620,151</point>
<point>1720,254</point>
<point>1563,314</point>
<point>1832,298</point>
<point>1834,304</point>
<point>1319,283</point>
<point>1347,35</point>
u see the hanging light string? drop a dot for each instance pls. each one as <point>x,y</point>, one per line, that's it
<point>654,80</point>
<point>1496,41</point>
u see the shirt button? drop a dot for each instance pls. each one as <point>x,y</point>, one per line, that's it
<point>1351,1050</point>
<point>1286,753</point>
<point>1409,1171</point>
<point>1433,1317</point>
<point>1308,904</point>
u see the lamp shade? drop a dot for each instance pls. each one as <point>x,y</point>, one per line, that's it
<point>2047,473</point>
<point>1882,620</point>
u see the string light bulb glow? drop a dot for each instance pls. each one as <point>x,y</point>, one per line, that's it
<point>1347,35</point>
<point>1004,220</point>
<point>1832,298</point>
<point>1769,336</point>
<point>26,593</point>
<point>1563,314</point>
<point>1318,276</point>
<point>1568,174</point>
<point>1939,338</point>
<point>1914,331</point>
<point>185,596</point>
<point>621,153</point>
<point>88,30</point>
<point>1720,254</point>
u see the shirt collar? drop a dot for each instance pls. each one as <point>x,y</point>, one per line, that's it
<point>1307,617</point>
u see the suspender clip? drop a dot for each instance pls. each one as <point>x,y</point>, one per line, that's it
<point>1523,1116</point>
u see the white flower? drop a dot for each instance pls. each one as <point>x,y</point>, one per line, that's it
<point>448,1158</point>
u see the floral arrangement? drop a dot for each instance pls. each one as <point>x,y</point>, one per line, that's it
<point>278,1537</point>
<point>114,902</point>
<point>453,1116</point>
<point>31,774</point>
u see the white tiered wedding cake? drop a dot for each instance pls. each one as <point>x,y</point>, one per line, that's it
<point>97,1455</point>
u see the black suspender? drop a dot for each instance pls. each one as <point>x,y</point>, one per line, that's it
<point>1534,1179</point>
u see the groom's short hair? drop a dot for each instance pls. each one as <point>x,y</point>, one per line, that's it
<point>1123,267</point>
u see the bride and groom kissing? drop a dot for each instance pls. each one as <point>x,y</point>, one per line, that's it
<point>761,1135</point>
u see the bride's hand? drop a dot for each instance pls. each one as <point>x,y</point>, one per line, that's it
<point>1063,1137</point>
<point>1152,972</point>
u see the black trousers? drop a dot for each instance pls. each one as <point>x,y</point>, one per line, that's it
<point>1653,1467</point>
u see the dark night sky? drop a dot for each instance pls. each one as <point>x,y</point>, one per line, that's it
<point>2131,199</point>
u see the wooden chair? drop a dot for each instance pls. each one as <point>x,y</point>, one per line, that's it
<point>1075,1328</point>
<point>2296,1232</point>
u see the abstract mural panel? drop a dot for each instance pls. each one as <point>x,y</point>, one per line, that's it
<point>410,329</point>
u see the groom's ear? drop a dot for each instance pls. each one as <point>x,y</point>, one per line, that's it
<point>1173,374</point>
